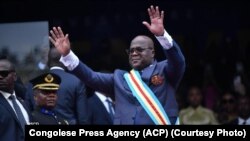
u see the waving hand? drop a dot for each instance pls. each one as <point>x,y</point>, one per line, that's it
<point>156,19</point>
<point>60,41</point>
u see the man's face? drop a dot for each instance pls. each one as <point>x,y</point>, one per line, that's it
<point>194,97</point>
<point>46,98</point>
<point>7,77</point>
<point>141,54</point>
<point>244,107</point>
<point>228,102</point>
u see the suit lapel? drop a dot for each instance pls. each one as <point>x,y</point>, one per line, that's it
<point>102,108</point>
<point>25,106</point>
<point>5,103</point>
<point>147,73</point>
<point>125,85</point>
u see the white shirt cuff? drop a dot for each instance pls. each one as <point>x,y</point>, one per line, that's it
<point>166,40</point>
<point>71,61</point>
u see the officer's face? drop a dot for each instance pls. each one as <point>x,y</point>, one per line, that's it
<point>46,98</point>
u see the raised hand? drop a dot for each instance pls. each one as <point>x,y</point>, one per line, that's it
<point>60,41</point>
<point>156,19</point>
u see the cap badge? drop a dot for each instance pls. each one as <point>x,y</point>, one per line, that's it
<point>49,78</point>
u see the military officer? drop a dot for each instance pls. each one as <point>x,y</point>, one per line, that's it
<point>45,89</point>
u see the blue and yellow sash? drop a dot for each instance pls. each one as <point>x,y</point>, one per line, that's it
<point>147,98</point>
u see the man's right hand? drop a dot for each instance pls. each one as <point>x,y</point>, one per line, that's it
<point>60,41</point>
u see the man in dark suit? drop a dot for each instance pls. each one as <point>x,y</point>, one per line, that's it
<point>19,87</point>
<point>72,98</point>
<point>145,95</point>
<point>243,111</point>
<point>99,111</point>
<point>14,114</point>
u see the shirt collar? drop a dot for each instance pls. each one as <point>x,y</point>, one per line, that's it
<point>102,97</point>
<point>56,67</point>
<point>47,112</point>
<point>241,120</point>
<point>148,67</point>
<point>7,95</point>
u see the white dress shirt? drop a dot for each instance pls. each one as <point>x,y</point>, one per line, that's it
<point>103,99</point>
<point>241,121</point>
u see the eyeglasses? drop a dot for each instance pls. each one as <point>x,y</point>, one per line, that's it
<point>137,50</point>
<point>5,73</point>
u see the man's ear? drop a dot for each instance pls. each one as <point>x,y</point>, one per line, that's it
<point>35,97</point>
<point>153,53</point>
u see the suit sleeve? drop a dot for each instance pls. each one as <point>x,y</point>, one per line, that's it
<point>81,104</point>
<point>175,67</point>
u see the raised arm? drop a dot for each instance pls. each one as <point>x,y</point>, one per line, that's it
<point>156,21</point>
<point>60,41</point>
<point>176,61</point>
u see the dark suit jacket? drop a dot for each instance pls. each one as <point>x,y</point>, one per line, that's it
<point>128,110</point>
<point>10,128</point>
<point>72,98</point>
<point>98,114</point>
<point>20,88</point>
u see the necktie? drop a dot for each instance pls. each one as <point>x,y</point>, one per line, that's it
<point>110,106</point>
<point>18,111</point>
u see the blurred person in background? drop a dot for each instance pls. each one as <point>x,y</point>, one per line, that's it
<point>227,108</point>
<point>243,109</point>
<point>196,113</point>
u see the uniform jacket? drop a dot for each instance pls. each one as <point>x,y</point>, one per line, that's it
<point>45,117</point>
